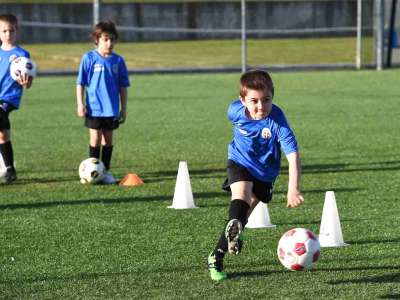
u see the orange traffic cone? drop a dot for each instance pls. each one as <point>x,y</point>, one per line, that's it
<point>131,179</point>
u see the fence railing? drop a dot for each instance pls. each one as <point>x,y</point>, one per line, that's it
<point>357,28</point>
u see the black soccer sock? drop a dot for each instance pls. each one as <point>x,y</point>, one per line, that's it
<point>238,210</point>
<point>8,154</point>
<point>222,246</point>
<point>94,151</point>
<point>106,153</point>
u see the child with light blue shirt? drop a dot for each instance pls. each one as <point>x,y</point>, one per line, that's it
<point>260,133</point>
<point>10,90</point>
<point>102,93</point>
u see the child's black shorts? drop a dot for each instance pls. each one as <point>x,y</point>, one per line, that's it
<point>262,190</point>
<point>5,109</point>
<point>106,123</point>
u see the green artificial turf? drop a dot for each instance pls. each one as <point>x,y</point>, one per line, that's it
<point>63,240</point>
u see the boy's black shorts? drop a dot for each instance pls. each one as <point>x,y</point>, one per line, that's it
<point>107,123</point>
<point>262,190</point>
<point>5,109</point>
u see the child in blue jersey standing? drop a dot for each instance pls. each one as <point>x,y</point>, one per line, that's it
<point>10,90</point>
<point>260,133</point>
<point>104,76</point>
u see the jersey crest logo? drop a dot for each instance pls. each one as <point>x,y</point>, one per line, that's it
<point>266,133</point>
<point>98,68</point>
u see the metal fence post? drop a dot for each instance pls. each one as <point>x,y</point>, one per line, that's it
<point>379,28</point>
<point>392,32</point>
<point>359,35</point>
<point>244,39</point>
<point>96,11</point>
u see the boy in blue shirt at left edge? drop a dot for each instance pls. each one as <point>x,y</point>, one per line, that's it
<point>103,77</point>
<point>10,90</point>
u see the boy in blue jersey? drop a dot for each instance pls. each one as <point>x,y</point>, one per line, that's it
<point>104,76</point>
<point>260,132</point>
<point>10,90</point>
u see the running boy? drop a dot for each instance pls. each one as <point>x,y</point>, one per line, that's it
<point>10,90</point>
<point>104,75</point>
<point>260,132</point>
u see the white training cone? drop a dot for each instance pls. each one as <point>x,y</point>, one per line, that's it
<point>330,231</point>
<point>2,167</point>
<point>259,217</point>
<point>183,196</point>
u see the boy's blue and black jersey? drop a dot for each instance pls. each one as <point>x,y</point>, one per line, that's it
<point>103,77</point>
<point>10,90</point>
<point>257,144</point>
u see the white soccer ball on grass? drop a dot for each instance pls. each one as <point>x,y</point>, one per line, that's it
<point>298,249</point>
<point>22,65</point>
<point>91,170</point>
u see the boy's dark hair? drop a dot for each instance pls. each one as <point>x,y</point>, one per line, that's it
<point>256,80</point>
<point>104,27</point>
<point>9,18</point>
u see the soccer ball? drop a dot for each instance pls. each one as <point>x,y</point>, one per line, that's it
<point>298,249</point>
<point>22,65</point>
<point>91,170</point>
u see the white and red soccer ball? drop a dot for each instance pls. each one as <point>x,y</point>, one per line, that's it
<point>22,65</point>
<point>298,249</point>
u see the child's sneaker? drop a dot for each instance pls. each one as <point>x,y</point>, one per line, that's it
<point>232,233</point>
<point>108,178</point>
<point>215,267</point>
<point>10,176</point>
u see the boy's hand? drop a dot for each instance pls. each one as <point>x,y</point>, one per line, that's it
<point>81,111</point>
<point>294,199</point>
<point>122,117</point>
<point>25,80</point>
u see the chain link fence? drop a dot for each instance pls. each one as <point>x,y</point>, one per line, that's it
<point>196,36</point>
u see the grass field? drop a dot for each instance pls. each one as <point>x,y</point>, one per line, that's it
<point>63,240</point>
<point>208,53</point>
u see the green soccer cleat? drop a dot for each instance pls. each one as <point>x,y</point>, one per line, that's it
<point>233,232</point>
<point>215,267</point>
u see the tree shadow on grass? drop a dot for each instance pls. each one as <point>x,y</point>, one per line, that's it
<point>360,268</point>
<point>81,202</point>
<point>24,181</point>
<point>54,278</point>
<point>390,296</point>
<point>393,278</point>
<point>322,191</point>
<point>106,201</point>
<point>133,199</point>
<point>366,242</point>
<point>306,169</point>
<point>388,278</point>
<point>96,275</point>
<point>237,275</point>
<point>348,167</point>
<point>167,175</point>
<point>193,173</point>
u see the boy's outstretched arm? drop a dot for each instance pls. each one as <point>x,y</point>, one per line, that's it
<point>294,197</point>
<point>81,109</point>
